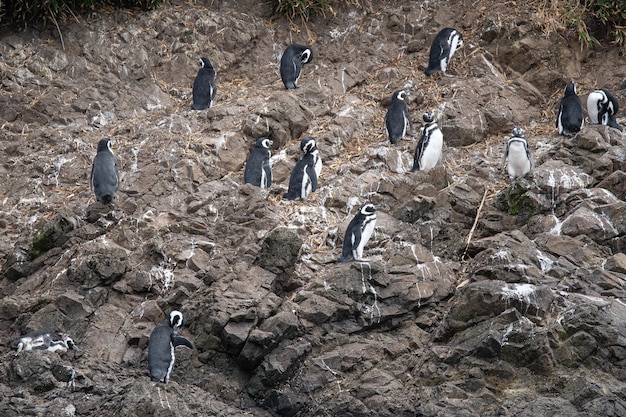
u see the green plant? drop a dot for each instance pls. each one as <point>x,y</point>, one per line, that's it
<point>24,12</point>
<point>306,8</point>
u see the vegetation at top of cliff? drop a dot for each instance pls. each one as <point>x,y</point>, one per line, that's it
<point>590,18</point>
<point>307,8</point>
<point>24,12</point>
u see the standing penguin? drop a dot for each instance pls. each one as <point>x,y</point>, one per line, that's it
<point>518,154</point>
<point>258,170</point>
<point>163,339</point>
<point>570,117</point>
<point>44,340</point>
<point>602,107</point>
<point>204,87</point>
<point>291,63</point>
<point>305,174</point>
<point>445,44</point>
<point>429,148</point>
<point>398,117</point>
<point>358,234</point>
<point>105,178</point>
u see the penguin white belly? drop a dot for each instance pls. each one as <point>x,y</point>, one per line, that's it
<point>560,122</point>
<point>172,359</point>
<point>519,164</point>
<point>305,186</point>
<point>318,165</point>
<point>593,106</point>
<point>432,153</point>
<point>368,229</point>
<point>263,179</point>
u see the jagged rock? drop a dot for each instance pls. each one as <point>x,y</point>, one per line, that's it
<point>281,118</point>
<point>279,252</point>
<point>278,366</point>
<point>106,264</point>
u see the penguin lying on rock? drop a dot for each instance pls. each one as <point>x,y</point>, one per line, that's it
<point>44,340</point>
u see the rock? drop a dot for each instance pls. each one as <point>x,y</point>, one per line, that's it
<point>278,366</point>
<point>106,264</point>
<point>279,252</point>
<point>282,118</point>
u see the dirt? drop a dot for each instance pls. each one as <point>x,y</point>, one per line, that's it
<point>389,337</point>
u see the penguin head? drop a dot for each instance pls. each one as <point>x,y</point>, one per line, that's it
<point>306,55</point>
<point>400,95</point>
<point>368,209</point>
<point>308,144</point>
<point>104,145</point>
<point>176,319</point>
<point>570,88</point>
<point>70,343</point>
<point>518,132</point>
<point>264,142</point>
<point>428,117</point>
<point>205,63</point>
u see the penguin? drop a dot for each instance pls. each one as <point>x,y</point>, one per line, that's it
<point>291,64</point>
<point>358,234</point>
<point>45,340</point>
<point>258,170</point>
<point>570,117</point>
<point>602,107</point>
<point>105,178</point>
<point>518,155</point>
<point>445,44</point>
<point>204,87</point>
<point>305,174</point>
<point>429,148</point>
<point>398,117</point>
<point>163,339</point>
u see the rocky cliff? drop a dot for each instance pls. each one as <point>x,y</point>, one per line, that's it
<point>481,296</point>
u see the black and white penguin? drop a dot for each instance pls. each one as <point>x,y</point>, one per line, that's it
<point>570,117</point>
<point>45,340</point>
<point>445,44</point>
<point>105,178</point>
<point>204,87</point>
<point>305,174</point>
<point>291,63</point>
<point>398,117</point>
<point>258,170</point>
<point>429,148</point>
<point>163,339</point>
<point>358,234</point>
<point>517,152</point>
<point>602,107</point>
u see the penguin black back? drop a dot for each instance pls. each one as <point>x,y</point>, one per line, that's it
<point>445,44</point>
<point>570,116</point>
<point>602,107</point>
<point>258,170</point>
<point>163,339</point>
<point>358,233</point>
<point>291,63</point>
<point>304,175</point>
<point>105,178</point>
<point>398,117</point>
<point>204,87</point>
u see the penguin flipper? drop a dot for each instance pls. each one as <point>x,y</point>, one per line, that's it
<point>419,151</point>
<point>506,155</point>
<point>310,171</point>
<point>181,341</point>
<point>408,118</point>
